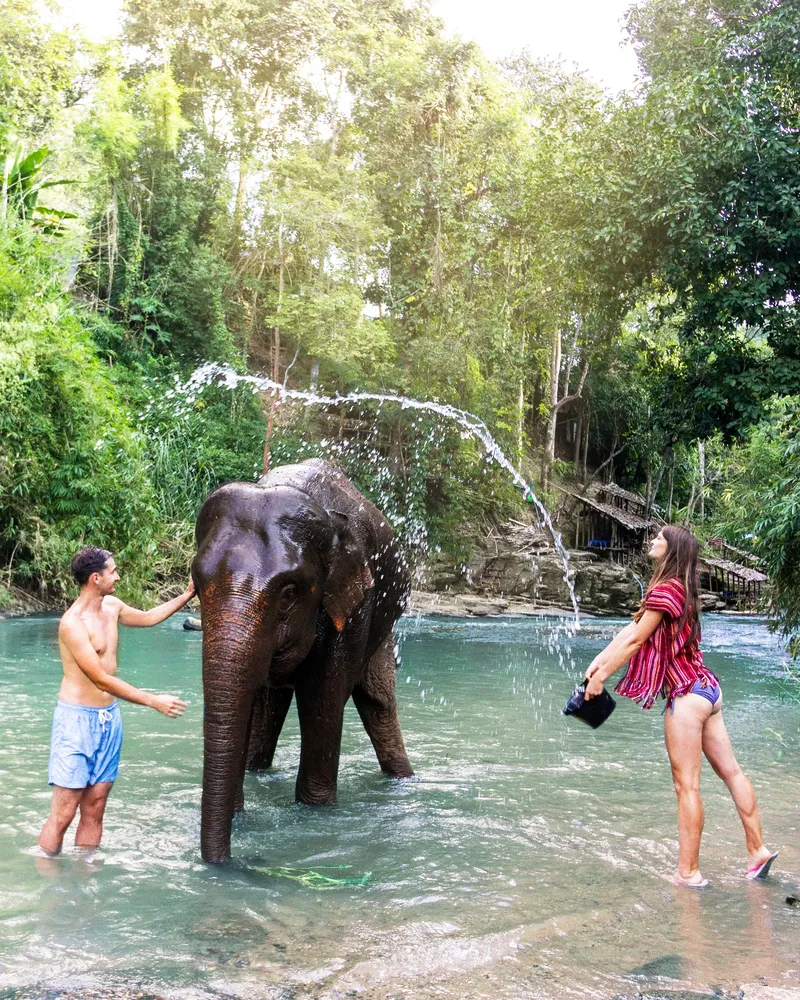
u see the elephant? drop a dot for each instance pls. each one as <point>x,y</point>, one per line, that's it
<point>300,580</point>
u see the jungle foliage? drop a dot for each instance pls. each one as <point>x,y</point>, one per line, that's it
<point>346,198</point>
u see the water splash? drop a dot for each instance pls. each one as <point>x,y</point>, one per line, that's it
<point>214,373</point>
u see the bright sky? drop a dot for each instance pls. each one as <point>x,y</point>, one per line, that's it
<point>587,33</point>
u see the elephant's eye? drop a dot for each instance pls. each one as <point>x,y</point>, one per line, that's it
<point>288,593</point>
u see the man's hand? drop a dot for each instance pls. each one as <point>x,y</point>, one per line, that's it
<point>144,619</point>
<point>168,705</point>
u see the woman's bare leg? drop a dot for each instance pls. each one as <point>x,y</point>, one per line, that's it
<point>717,748</point>
<point>683,729</point>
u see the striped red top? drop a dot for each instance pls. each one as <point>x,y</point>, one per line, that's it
<point>664,666</point>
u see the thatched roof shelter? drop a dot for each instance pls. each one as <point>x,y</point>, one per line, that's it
<point>612,526</point>
<point>735,584</point>
<point>626,496</point>
<point>746,573</point>
<point>628,519</point>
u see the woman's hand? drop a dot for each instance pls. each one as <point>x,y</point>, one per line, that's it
<point>594,684</point>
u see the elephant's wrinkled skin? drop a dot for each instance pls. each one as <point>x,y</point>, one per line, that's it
<point>300,583</point>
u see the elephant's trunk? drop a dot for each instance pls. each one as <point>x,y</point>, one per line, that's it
<point>235,661</point>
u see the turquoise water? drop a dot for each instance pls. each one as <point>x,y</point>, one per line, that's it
<point>525,860</point>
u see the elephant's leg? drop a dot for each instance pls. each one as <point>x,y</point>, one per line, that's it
<point>320,709</point>
<point>375,700</point>
<point>269,714</point>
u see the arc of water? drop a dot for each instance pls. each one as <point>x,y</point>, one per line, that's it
<point>215,372</point>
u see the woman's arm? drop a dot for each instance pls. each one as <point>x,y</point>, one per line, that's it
<point>621,648</point>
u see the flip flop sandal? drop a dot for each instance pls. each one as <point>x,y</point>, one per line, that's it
<point>689,885</point>
<point>762,870</point>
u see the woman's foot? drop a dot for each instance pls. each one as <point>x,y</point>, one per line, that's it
<point>756,858</point>
<point>694,880</point>
<point>760,863</point>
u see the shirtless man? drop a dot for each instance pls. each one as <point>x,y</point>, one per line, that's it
<point>87,727</point>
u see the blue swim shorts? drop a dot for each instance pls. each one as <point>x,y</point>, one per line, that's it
<point>85,745</point>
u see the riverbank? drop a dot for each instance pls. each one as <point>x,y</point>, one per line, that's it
<point>595,597</point>
<point>473,605</point>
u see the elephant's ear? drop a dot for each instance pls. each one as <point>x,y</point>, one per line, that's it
<point>349,576</point>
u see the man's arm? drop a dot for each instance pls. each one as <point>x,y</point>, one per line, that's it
<point>143,619</point>
<point>75,637</point>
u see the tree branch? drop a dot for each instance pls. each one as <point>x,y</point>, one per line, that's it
<point>611,457</point>
<point>577,394</point>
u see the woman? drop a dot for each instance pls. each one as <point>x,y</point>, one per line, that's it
<point>662,644</point>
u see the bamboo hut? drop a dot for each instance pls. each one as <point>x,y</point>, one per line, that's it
<point>611,522</point>
<point>737,585</point>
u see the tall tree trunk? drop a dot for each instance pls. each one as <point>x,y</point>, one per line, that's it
<point>521,403</point>
<point>556,404</point>
<point>586,425</point>
<point>690,507</point>
<point>651,498</point>
<point>113,236</point>
<point>576,458</point>
<point>671,487</point>
<point>276,348</point>
<point>254,308</point>
<point>548,454</point>
<point>701,467</point>
<point>239,205</point>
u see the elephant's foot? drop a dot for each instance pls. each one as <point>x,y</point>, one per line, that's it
<point>260,762</point>
<point>312,793</point>
<point>397,767</point>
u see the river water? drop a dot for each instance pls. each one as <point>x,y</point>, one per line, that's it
<point>525,860</point>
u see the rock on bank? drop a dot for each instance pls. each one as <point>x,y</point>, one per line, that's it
<point>517,567</point>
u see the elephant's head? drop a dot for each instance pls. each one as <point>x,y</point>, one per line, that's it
<point>268,561</point>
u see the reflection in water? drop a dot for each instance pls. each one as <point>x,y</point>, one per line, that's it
<point>755,954</point>
<point>525,861</point>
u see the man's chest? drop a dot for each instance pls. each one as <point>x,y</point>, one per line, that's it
<point>103,635</point>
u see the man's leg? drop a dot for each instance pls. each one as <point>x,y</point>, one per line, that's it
<point>93,806</point>
<point>62,812</point>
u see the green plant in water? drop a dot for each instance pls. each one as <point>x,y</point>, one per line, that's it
<point>315,879</point>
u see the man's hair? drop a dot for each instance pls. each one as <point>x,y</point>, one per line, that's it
<point>89,560</point>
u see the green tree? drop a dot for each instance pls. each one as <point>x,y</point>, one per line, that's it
<point>720,175</point>
<point>39,75</point>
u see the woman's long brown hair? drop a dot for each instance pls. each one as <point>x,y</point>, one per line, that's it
<point>679,561</point>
